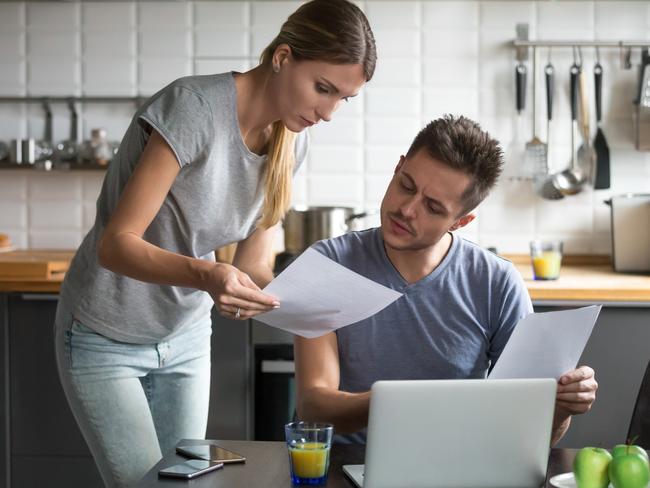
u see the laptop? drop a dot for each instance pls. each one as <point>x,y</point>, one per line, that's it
<point>457,433</point>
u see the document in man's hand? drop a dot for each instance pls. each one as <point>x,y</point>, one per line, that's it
<point>546,345</point>
<point>318,295</point>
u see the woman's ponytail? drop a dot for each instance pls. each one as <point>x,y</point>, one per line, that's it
<point>280,164</point>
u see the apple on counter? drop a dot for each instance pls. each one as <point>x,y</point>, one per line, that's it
<point>591,467</point>
<point>629,467</point>
<point>629,448</point>
<point>626,467</point>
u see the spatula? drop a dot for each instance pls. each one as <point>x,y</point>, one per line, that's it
<point>600,143</point>
<point>536,151</point>
<point>544,183</point>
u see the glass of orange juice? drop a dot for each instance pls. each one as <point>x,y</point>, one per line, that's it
<point>546,257</point>
<point>309,446</point>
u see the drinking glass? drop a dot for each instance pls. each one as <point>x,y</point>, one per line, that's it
<point>546,257</point>
<point>309,446</point>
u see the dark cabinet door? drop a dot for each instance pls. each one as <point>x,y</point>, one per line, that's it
<point>230,391</point>
<point>47,448</point>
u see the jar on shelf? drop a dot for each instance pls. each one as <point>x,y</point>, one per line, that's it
<point>98,150</point>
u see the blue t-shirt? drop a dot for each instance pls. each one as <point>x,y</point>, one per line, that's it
<point>453,323</point>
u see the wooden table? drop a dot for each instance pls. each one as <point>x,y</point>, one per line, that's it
<point>267,466</point>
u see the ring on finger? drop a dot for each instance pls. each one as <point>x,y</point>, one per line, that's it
<point>237,313</point>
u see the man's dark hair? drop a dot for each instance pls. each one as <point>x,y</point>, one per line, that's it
<point>460,143</point>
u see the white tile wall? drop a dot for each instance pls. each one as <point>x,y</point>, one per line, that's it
<point>434,57</point>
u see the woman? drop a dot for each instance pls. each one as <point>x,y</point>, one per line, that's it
<point>207,161</point>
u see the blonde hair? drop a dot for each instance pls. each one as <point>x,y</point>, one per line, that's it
<point>334,31</point>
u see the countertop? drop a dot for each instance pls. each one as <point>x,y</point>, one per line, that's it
<point>582,279</point>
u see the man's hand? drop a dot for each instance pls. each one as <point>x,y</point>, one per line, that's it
<point>576,391</point>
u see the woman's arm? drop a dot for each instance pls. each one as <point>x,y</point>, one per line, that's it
<point>253,255</point>
<point>123,250</point>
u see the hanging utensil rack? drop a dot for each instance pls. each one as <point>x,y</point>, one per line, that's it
<point>522,44</point>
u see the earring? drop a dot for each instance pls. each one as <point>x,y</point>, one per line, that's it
<point>276,68</point>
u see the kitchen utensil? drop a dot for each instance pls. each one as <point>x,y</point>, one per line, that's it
<point>68,150</point>
<point>515,151</point>
<point>100,151</point>
<point>641,112</point>
<point>571,180</point>
<point>16,151</point>
<point>536,151</point>
<point>544,183</point>
<point>44,149</point>
<point>602,180</point>
<point>630,232</point>
<point>305,225</point>
<point>4,151</point>
<point>586,154</point>
<point>29,151</point>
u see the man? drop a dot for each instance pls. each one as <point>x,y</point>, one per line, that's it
<point>460,302</point>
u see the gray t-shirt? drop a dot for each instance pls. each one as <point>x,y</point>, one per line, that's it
<point>453,323</point>
<point>215,200</point>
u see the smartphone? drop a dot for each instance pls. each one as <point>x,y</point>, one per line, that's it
<point>190,469</point>
<point>210,452</point>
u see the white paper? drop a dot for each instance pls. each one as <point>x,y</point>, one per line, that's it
<point>318,295</point>
<point>546,345</point>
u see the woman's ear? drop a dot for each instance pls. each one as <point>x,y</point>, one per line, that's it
<point>281,55</point>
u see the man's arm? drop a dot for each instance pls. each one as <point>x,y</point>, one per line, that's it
<point>576,392</point>
<point>576,389</point>
<point>318,396</point>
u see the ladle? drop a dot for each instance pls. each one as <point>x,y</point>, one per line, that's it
<point>571,180</point>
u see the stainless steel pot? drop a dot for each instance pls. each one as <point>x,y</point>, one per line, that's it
<point>305,225</point>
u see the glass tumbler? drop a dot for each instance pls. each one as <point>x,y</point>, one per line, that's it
<point>309,446</point>
<point>546,257</point>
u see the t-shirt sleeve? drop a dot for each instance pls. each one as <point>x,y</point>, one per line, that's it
<point>513,305</point>
<point>324,247</point>
<point>184,119</point>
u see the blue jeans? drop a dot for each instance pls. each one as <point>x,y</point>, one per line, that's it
<point>133,402</point>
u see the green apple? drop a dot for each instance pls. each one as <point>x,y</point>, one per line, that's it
<point>629,449</point>
<point>629,471</point>
<point>591,467</point>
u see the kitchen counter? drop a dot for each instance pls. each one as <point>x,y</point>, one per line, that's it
<point>586,279</point>
<point>582,278</point>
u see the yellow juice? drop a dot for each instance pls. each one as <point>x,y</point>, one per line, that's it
<point>309,459</point>
<point>547,265</point>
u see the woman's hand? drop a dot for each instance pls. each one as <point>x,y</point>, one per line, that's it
<point>235,295</point>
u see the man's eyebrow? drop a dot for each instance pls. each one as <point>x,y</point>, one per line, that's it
<point>334,87</point>
<point>436,202</point>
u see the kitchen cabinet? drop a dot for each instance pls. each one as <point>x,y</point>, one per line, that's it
<point>43,445</point>
<point>40,443</point>
<point>231,381</point>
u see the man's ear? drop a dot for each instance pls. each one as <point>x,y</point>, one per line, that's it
<point>463,221</point>
<point>281,54</point>
<point>402,159</point>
